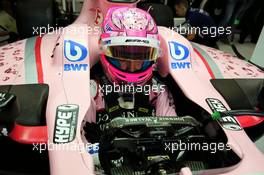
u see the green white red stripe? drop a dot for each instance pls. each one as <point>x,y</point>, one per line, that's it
<point>211,66</point>
<point>33,64</point>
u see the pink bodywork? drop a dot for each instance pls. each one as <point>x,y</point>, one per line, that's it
<point>72,87</point>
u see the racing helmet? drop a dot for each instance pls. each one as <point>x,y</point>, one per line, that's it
<point>130,45</point>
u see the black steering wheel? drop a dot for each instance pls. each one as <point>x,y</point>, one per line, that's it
<point>143,144</point>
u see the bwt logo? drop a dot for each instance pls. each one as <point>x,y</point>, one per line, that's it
<point>74,52</point>
<point>75,67</point>
<point>179,53</point>
<point>181,65</point>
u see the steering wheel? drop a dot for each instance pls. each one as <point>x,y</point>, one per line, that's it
<point>142,144</point>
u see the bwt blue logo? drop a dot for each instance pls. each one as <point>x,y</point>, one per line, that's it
<point>178,51</point>
<point>75,67</point>
<point>181,65</point>
<point>74,51</point>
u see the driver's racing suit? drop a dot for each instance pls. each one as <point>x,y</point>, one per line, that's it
<point>159,97</point>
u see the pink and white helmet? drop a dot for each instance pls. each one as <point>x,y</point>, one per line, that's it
<point>130,45</point>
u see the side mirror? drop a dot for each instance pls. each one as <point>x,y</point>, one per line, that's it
<point>9,108</point>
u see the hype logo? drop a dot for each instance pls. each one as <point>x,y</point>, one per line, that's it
<point>178,51</point>
<point>74,51</point>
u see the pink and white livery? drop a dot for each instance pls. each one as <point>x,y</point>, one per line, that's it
<point>206,122</point>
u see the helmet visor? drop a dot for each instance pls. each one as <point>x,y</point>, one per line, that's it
<point>132,52</point>
<point>124,48</point>
<point>130,66</point>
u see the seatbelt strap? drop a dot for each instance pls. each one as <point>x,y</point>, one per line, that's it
<point>142,105</point>
<point>112,107</point>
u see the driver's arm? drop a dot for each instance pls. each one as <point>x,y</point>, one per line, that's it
<point>91,113</point>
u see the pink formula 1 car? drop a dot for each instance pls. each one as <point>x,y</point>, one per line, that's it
<point>45,100</point>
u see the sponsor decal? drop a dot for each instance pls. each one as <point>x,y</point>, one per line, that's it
<point>75,52</point>
<point>66,123</point>
<point>137,41</point>
<point>93,148</point>
<point>228,122</point>
<point>179,53</point>
<point>179,65</point>
<point>108,28</point>
<point>75,67</point>
<point>107,42</point>
<point>154,119</point>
